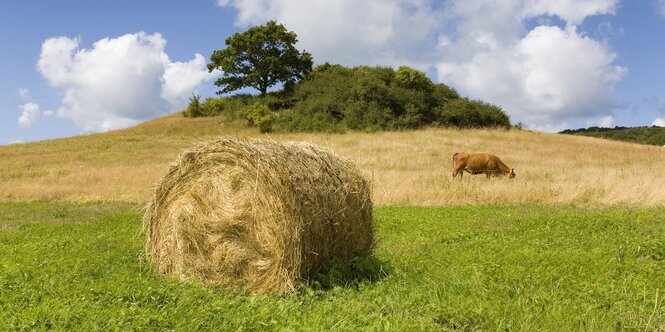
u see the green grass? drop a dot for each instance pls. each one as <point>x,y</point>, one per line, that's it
<point>470,268</point>
<point>15,214</point>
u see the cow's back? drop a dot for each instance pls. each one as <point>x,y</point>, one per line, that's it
<point>481,162</point>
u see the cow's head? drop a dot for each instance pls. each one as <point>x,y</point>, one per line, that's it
<point>511,175</point>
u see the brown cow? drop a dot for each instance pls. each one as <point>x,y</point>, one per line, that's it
<point>477,163</point>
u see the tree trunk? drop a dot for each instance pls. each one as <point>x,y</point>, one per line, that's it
<point>263,86</point>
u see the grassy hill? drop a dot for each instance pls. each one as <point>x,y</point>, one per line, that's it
<point>643,135</point>
<point>406,167</point>
<point>575,242</point>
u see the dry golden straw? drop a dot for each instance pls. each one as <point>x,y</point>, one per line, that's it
<point>257,214</point>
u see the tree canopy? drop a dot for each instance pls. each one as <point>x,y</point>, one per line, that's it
<point>260,58</point>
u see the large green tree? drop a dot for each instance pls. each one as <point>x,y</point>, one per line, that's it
<point>260,57</point>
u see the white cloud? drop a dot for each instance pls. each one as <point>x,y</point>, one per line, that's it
<point>118,81</point>
<point>24,93</point>
<point>551,127</point>
<point>29,110</point>
<point>603,122</point>
<point>660,122</point>
<point>349,32</point>
<point>548,74</point>
<point>181,78</point>
<point>542,76</point>
<point>55,61</point>
<point>29,114</point>
<point>571,11</point>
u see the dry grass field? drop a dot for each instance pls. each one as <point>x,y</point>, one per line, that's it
<point>406,168</point>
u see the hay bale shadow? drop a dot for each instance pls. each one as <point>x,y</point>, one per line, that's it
<point>360,270</point>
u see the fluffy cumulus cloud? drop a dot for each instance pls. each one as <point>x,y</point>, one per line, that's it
<point>504,52</point>
<point>29,114</point>
<point>543,76</point>
<point>548,75</point>
<point>571,11</point>
<point>605,121</point>
<point>347,31</point>
<point>24,93</point>
<point>660,122</point>
<point>180,78</point>
<point>118,81</point>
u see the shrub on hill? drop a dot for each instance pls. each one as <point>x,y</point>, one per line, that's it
<point>463,112</point>
<point>194,108</point>
<point>337,98</point>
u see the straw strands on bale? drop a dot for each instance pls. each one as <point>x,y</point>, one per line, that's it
<point>257,214</point>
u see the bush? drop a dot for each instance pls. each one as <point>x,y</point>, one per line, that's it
<point>258,115</point>
<point>412,79</point>
<point>361,98</point>
<point>464,113</point>
<point>213,106</point>
<point>444,92</point>
<point>194,108</point>
<point>378,98</point>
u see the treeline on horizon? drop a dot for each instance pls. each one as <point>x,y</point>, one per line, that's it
<point>334,98</point>
<point>653,135</point>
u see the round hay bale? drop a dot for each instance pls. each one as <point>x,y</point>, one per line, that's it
<point>258,214</point>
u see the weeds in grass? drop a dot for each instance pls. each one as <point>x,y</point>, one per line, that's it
<point>360,270</point>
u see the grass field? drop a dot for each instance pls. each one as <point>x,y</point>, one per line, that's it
<point>489,267</point>
<point>576,242</point>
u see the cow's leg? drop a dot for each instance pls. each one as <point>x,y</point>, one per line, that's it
<point>488,174</point>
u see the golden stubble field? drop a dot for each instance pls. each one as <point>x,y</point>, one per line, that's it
<point>406,168</point>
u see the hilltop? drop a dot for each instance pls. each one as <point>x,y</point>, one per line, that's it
<point>406,167</point>
<point>334,98</point>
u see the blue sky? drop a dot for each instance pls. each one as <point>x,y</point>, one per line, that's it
<point>73,67</point>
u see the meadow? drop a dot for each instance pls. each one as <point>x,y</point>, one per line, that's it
<point>407,168</point>
<point>488,267</point>
<point>575,242</point>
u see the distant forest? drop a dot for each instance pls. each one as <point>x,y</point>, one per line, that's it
<point>644,135</point>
